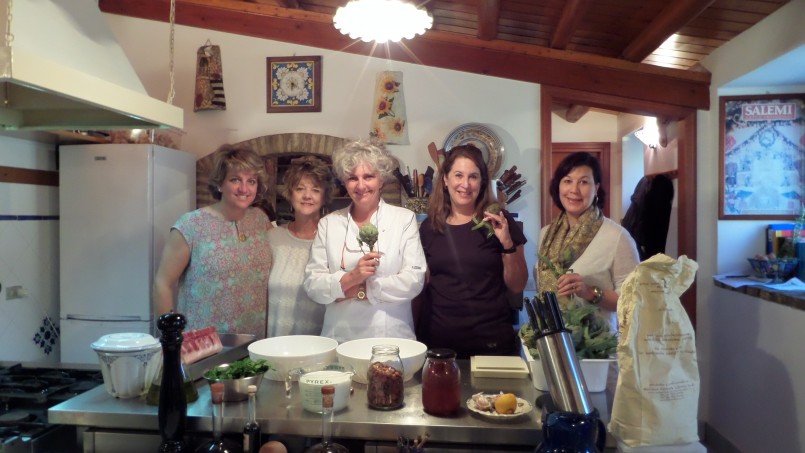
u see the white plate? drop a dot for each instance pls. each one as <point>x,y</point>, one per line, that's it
<point>484,138</point>
<point>523,407</point>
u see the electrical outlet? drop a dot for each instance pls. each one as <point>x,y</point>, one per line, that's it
<point>16,292</point>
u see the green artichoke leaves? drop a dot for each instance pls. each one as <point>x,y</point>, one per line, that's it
<point>368,235</point>
<point>493,208</point>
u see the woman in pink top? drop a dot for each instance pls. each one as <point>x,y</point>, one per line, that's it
<point>216,261</point>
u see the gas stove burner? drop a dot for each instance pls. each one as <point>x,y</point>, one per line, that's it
<point>26,383</point>
<point>15,417</point>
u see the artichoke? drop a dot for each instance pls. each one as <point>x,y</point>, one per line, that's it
<point>368,235</point>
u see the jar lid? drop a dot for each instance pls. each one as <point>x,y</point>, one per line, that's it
<point>385,349</point>
<point>441,353</point>
<point>128,341</point>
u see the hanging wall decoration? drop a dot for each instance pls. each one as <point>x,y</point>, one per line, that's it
<point>761,155</point>
<point>389,124</point>
<point>294,84</point>
<point>209,79</point>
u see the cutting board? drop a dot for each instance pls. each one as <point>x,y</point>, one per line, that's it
<point>498,366</point>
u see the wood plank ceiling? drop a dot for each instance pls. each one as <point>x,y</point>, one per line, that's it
<point>608,53</point>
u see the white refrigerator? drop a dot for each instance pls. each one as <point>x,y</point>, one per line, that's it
<point>116,206</point>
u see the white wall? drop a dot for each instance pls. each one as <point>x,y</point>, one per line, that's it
<point>29,255</point>
<point>749,349</point>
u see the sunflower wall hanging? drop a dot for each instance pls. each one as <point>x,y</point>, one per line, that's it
<point>389,124</point>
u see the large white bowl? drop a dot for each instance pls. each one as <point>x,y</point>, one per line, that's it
<point>356,354</point>
<point>290,352</point>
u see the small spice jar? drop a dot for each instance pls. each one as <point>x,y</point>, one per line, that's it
<point>385,385</point>
<point>441,383</point>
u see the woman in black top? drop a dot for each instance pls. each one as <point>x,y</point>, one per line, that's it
<point>469,270</point>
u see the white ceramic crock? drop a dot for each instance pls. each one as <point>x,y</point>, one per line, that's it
<point>310,385</point>
<point>129,362</point>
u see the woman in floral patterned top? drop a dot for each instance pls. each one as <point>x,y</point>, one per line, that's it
<point>216,261</point>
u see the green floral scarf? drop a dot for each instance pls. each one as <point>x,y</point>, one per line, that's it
<point>562,246</point>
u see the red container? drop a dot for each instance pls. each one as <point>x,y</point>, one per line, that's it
<point>441,383</point>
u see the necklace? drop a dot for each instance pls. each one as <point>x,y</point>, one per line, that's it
<point>346,233</point>
<point>241,236</point>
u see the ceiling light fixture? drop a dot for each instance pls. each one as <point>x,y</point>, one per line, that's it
<point>381,20</point>
<point>649,136</point>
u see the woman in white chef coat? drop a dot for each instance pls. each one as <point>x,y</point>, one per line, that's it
<point>367,293</point>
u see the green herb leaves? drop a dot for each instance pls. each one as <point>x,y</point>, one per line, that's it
<point>591,335</point>
<point>493,208</point>
<point>239,369</point>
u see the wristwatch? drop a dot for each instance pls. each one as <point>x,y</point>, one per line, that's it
<point>362,292</point>
<point>598,296</point>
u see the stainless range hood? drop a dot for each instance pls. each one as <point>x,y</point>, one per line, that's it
<point>61,68</point>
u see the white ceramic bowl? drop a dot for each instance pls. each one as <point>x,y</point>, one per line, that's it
<point>310,385</point>
<point>356,354</point>
<point>289,352</point>
<point>129,362</point>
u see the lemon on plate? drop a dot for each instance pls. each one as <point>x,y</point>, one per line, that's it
<point>506,403</point>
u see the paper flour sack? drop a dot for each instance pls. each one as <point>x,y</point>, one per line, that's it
<point>657,396</point>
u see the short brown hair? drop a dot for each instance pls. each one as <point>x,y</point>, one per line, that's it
<point>315,169</point>
<point>237,158</point>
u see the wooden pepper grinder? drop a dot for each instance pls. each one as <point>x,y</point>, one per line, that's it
<point>172,399</point>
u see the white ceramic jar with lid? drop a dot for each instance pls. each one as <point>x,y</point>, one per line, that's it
<point>129,361</point>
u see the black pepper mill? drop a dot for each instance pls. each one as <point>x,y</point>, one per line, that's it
<point>172,400</point>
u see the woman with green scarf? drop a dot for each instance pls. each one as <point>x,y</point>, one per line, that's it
<point>584,257</point>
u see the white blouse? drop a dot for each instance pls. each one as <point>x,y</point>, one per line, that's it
<point>606,262</point>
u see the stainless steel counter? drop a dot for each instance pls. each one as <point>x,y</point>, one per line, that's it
<point>279,415</point>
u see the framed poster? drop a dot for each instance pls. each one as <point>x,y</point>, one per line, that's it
<point>761,157</point>
<point>294,84</point>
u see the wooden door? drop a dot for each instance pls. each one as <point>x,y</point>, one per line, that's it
<point>558,152</point>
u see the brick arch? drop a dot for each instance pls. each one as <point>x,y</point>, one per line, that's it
<point>272,146</point>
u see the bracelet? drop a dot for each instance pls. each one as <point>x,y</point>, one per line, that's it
<point>511,250</point>
<point>599,296</point>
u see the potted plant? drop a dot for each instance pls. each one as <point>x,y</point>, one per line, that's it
<point>594,342</point>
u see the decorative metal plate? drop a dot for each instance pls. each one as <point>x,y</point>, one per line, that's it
<point>484,138</point>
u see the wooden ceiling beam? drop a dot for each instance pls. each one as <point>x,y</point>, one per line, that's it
<point>528,63</point>
<point>619,103</point>
<point>572,14</point>
<point>673,17</point>
<point>488,14</point>
<point>294,4</point>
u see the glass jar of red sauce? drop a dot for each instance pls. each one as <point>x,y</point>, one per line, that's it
<point>441,383</point>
